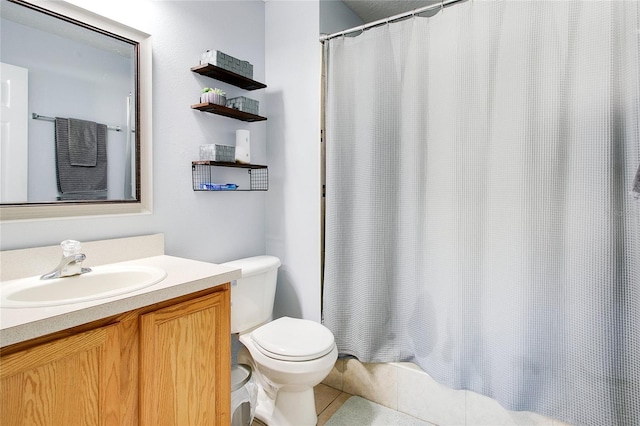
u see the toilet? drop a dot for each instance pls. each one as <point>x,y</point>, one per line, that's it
<point>289,356</point>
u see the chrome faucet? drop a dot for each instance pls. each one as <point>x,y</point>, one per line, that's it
<point>71,262</point>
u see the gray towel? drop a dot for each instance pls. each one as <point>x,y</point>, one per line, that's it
<point>83,196</point>
<point>83,142</point>
<point>636,184</point>
<point>80,179</point>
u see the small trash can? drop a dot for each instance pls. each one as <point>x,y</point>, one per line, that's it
<point>244,395</point>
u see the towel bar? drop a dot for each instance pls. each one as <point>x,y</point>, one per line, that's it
<point>36,116</point>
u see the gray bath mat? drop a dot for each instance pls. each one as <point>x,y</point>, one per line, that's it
<point>360,412</point>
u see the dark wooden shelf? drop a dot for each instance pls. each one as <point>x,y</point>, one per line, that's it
<point>228,164</point>
<point>228,112</point>
<point>228,77</point>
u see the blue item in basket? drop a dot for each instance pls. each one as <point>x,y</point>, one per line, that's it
<point>218,186</point>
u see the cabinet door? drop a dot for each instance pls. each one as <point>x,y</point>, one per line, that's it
<point>71,381</point>
<point>185,363</point>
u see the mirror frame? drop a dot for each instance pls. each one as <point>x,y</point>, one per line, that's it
<point>144,203</point>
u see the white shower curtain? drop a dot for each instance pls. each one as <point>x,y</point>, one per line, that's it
<point>479,216</point>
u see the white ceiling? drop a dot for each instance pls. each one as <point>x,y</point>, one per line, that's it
<point>373,10</point>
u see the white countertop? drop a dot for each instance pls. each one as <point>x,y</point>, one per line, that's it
<point>184,276</point>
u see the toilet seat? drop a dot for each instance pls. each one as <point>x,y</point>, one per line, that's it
<point>292,339</point>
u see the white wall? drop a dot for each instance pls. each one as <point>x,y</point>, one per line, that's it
<point>293,61</point>
<point>200,225</point>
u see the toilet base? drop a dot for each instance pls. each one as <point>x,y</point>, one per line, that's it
<point>295,408</point>
<point>288,405</point>
<point>285,387</point>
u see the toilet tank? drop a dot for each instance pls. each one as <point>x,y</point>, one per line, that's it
<point>252,295</point>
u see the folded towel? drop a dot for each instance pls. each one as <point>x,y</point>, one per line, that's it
<point>74,179</point>
<point>635,190</point>
<point>83,142</point>
<point>83,196</point>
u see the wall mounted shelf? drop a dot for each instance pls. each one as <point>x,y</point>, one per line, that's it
<point>228,112</point>
<point>202,175</point>
<point>230,77</point>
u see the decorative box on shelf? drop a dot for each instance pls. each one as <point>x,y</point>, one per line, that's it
<point>244,104</point>
<point>216,152</point>
<point>228,62</point>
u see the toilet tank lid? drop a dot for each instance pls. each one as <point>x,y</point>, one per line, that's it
<point>254,265</point>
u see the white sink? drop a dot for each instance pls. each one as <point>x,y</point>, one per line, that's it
<point>102,282</point>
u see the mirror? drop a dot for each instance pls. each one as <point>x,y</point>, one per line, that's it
<point>75,116</point>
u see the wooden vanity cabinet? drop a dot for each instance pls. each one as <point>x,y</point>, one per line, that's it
<point>164,364</point>
<point>185,348</point>
<point>70,381</point>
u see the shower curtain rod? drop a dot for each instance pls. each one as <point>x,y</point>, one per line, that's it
<point>36,116</point>
<point>361,28</point>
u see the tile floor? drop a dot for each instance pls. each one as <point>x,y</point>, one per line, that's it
<point>328,400</point>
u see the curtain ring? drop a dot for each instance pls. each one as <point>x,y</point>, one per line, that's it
<point>442,5</point>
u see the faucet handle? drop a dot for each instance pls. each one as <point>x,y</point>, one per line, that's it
<point>70,247</point>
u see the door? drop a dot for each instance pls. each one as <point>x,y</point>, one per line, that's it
<point>185,363</point>
<point>71,381</point>
<point>14,102</point>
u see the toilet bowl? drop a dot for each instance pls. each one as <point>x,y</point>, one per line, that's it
<point>289,367</point>
<point>289,356</point>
